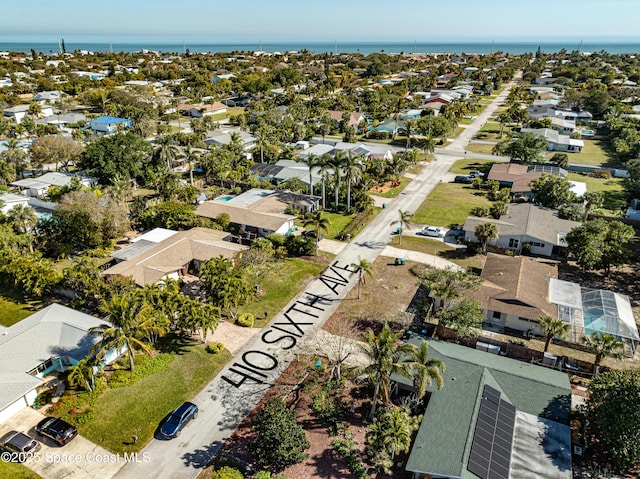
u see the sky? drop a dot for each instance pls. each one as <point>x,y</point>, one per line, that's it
<point>318,20</point>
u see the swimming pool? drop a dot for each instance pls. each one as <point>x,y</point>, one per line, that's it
<point>224,198</point>
<point>587,132</point>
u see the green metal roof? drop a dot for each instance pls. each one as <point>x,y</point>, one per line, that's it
<point>443,441</point>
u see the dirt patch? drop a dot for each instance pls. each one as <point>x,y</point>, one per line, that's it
<point>385,296</point>
<point>383,188</point>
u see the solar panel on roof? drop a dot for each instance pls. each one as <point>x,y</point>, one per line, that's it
<point>490,454</point>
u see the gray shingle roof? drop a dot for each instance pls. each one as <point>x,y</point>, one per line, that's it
<point>53,331</point>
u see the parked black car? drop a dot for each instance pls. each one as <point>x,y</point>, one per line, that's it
<point>18,445</point>
<point>178,419</point>
<point>60,431</point>
<point>463,179</point>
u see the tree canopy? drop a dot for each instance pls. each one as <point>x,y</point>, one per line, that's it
<point>613,415</point>
<point>125,154</point>
<point>526,147</point>
<point>552,191</point>
<point>280,441</point>
<point>600,244</point>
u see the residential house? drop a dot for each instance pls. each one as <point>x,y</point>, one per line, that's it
<point>392,127</point>
<point>518,177</point>
<point>166,254</point>
<point>562,126</point>
<point>527,224</point>
<point>514,293</point>
<point>199,111</point>
<point>412,115</point>
<point>16,113</point>
<point>95,76</point>
<point>354,118</point>
<point>259,212</point>
<point>49,97</point>
<point>39,187</point>
<point>557,142</point>
<point>223,138</point>
<point>61,121</point>
<point>495,417</point>
<point>11,200</point>
<point>285,170</point>
<point>108,124</point>
<point>39,347</point>
<point>517,291</point>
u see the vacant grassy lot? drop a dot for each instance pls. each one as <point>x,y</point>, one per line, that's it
<point>615,197</point>
<point>10,470</point>
<point>595,152</point>
<point>449,203</point>
<point>231,111</point>
<point>138,408</point>
<point>442,250</point>
<point>282,283</point>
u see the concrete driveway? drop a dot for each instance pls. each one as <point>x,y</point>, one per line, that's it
<point>79,459</point>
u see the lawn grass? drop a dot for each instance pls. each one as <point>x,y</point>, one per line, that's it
<point>393,192</point>
<point>137,409</point>
<point>595,152</point>
<point>480,148</point>
<point>449,203</point>
<point>466,121</point>
<point>418,167</point>
<point>615,196</point>
<point>12,470</point>
<point>442,250</point>
<point>15,307</point>
<point>491,131</point>
<point>456,132</point>
<point>338,222</point>
<point>231,111</point>
<point>465,166</point>
<point>282,283</point>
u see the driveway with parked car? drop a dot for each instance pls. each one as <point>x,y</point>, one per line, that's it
<point>78,458</point>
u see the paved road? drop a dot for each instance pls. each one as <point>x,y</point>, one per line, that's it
<point>235,392</point>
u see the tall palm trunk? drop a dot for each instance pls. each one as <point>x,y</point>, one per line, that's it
<point>374,404</point>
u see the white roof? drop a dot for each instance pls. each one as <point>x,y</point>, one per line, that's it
<point>155,235</point>
<point>578,187</point>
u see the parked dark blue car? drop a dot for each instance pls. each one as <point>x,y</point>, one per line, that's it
<point>178,419</point>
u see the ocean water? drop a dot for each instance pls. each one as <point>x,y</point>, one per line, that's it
<point>365,48</point>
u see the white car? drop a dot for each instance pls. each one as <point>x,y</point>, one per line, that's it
<point>432,231</point>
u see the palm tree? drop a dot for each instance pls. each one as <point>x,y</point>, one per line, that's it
<point>35,110</point>
<point>410,125</point>
<point>312,161</point>
<point>319,224</point>
<point>120,189</point>
<point>131,320</point>
<point>431,370</point>
<point>503,118</point>
<point>22,217</point>
<point>7,172</point>
<point>387,355</point>
<point>405,220</point>
<point>429,145</point>
<point>352,167</point>
<point>553,327</point>
<point>603,345</point>
<point>360,268</point>
<point>593,199</point>
<point>325,175</point>
<point>82,374</point>
<point>486,233</point>
<point>390,434</point>
<point>167,151</point>
<point>336,162</point>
